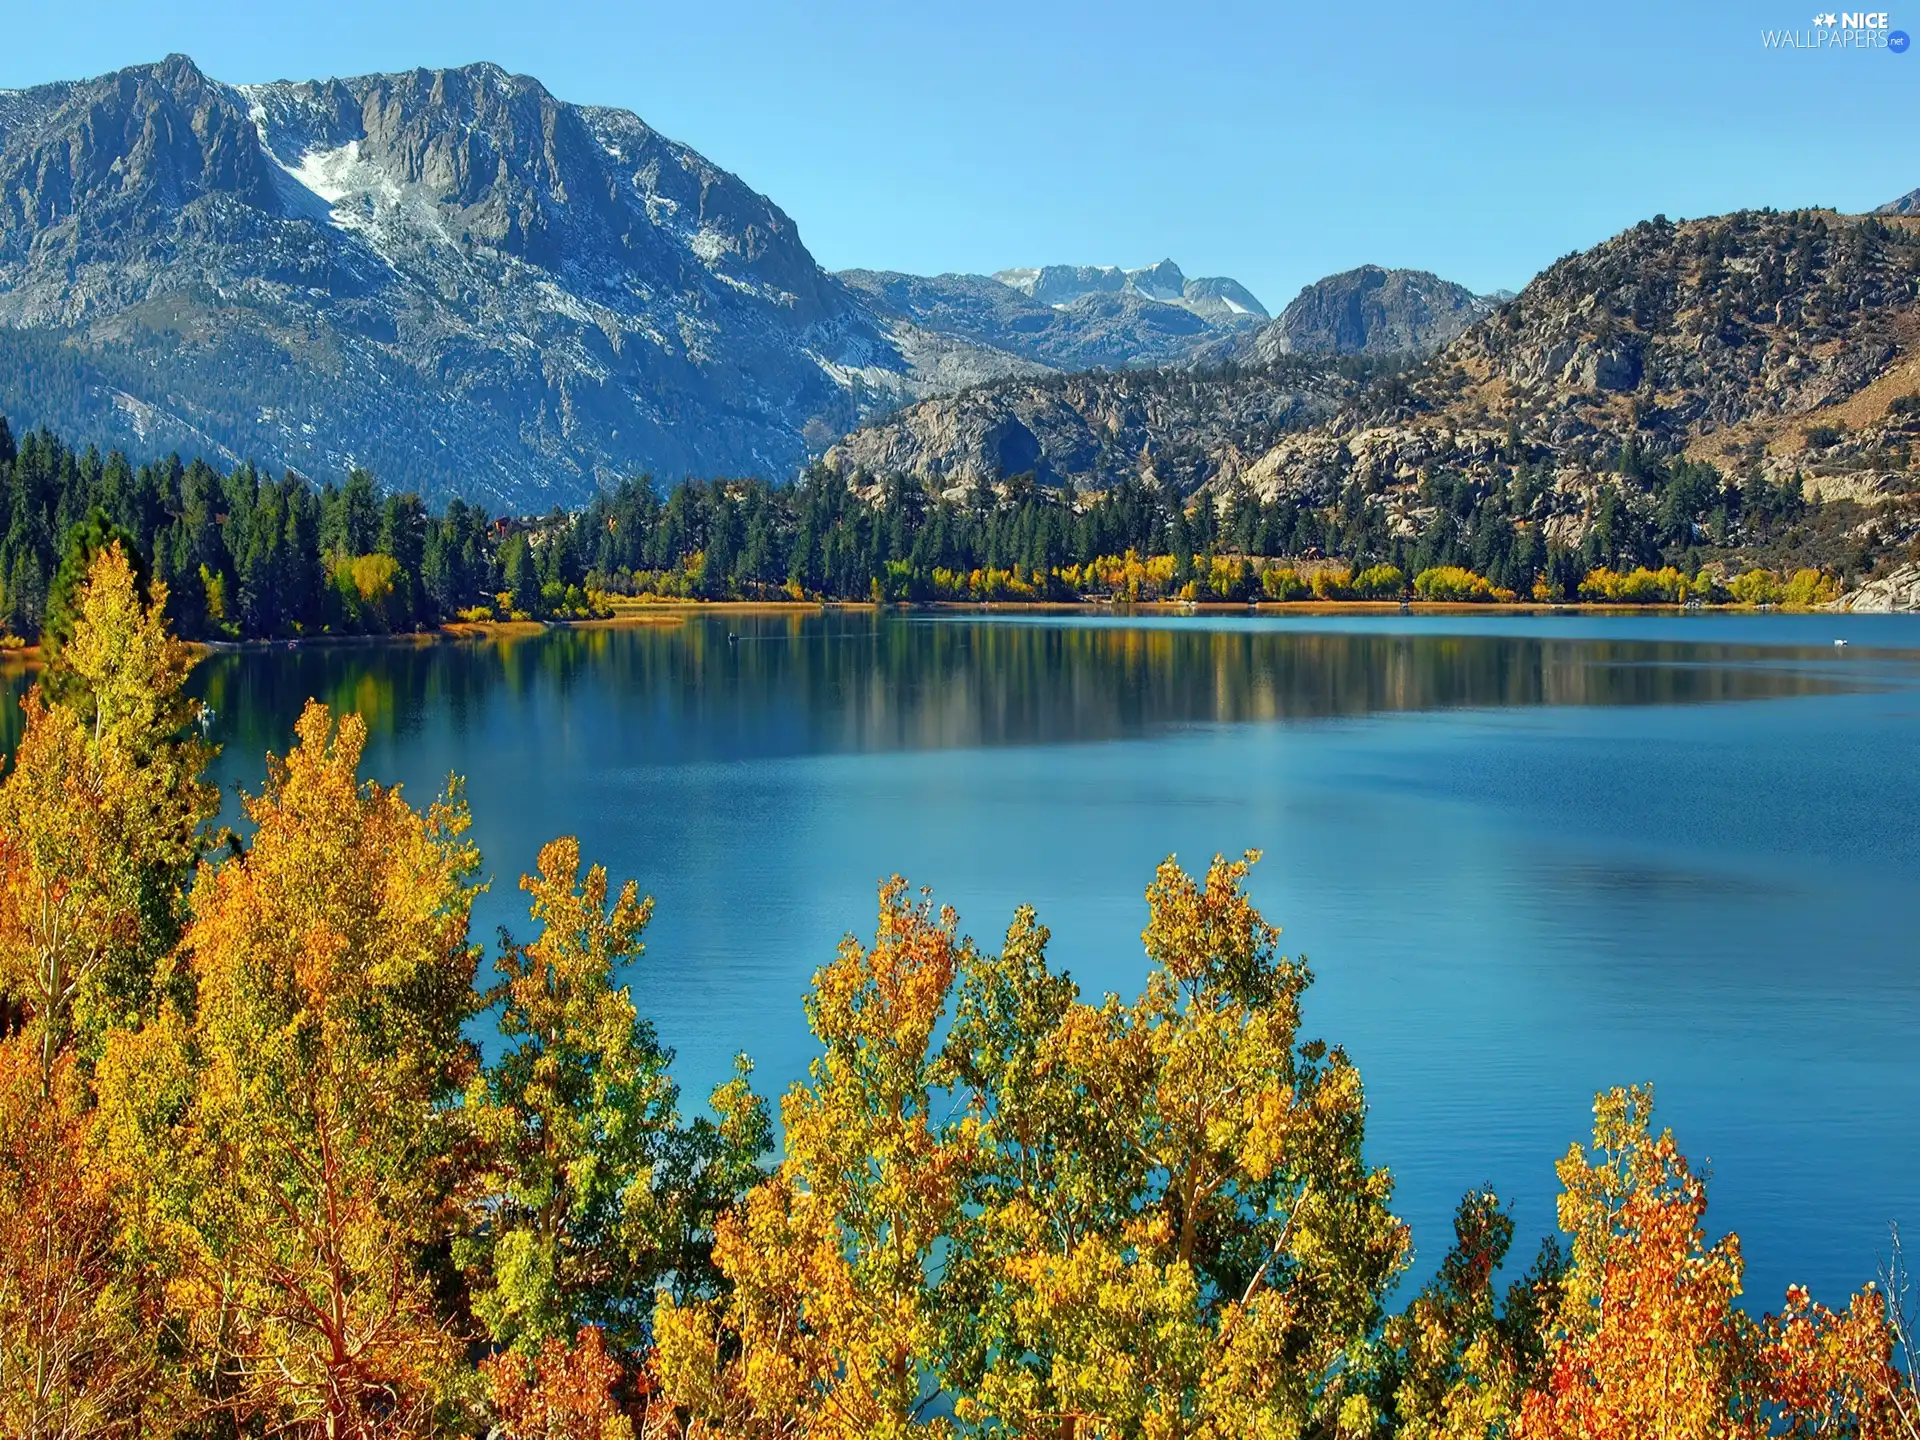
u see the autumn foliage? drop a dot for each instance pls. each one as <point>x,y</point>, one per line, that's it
<point>257,1178</point>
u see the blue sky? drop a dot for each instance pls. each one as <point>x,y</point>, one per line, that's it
<point>1272,142</point>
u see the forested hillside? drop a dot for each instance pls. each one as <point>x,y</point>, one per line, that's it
<point>245,555</point>
<point>1779,349</point>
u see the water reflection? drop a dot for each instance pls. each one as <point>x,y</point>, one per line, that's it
<point>759,685</point>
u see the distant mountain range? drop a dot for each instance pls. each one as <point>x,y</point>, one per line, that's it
<point>1217,298</point>
<point>470,286</point>
<point>1096,429</point>
<point>1071,317</point>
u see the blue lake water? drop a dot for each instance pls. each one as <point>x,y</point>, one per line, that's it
<point>1527,857</point>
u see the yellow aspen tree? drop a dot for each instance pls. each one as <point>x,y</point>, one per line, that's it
<point>1647,1340</point>
<point>591,1193</point>
<point>101,820</point>
<point>832,1327</point>
<point>295,1138</point>
<point>78,1358</point>
<point>1206,1250</point>
<point>1832,1373</point>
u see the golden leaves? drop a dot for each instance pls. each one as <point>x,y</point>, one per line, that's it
<point>1147,1219</point>
<point>78,1352</point>
<point>308,1176</point>
<point>100,821</point>
<point>566,1392</point>
<point>1001,1208</point>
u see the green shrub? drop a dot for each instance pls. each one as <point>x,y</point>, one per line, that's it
<point>1380,582</point>
<point>1332,584</point>
<point>1281,583</point>
<point>1453,585</point>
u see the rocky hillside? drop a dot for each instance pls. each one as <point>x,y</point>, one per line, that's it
<point>1093,429</point>
<point>1071,317</point>
<point>451,276</point>
<point>1781,350</point>
<point>1777,347</point>
<point>1236,397</point>
<point>1896,591</point>
<point>1371,311</point>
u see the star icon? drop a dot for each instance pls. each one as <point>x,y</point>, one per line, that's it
<point>1830,19</point>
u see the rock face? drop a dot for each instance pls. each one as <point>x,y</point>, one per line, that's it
<point>1094,429</point>
<point>1070,317</point>
<point>449,275</point>
<point>1776,346</point>
<point>1369,311</point>
<point>1907,204</point>
<point>1897,591</point>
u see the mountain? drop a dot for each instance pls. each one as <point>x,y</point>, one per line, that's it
<point>1371,311</point>
<point>1070,317</point>
<point>1907,204</point>
<point>1780,348</point>
<point>1093,429</point>
<point>450,276</point>
<point>1216,298</point>
<point>1368,311</point>
<point>1236,399</point>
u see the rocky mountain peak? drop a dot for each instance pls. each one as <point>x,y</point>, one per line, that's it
<point>1216,297</point>
<point>1907,204</point>
<point>1372,310</point>
<point>1162,281</point>
<point>146,140</point>
<point>450,275</point>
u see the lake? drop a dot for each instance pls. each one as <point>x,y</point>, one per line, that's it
<point>1528,857</point>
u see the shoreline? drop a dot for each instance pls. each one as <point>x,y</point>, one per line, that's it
<point>676,612</point>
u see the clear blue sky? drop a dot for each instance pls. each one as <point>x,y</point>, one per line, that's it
<point>1272,142</point>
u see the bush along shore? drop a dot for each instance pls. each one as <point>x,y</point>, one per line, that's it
<point>246,556</point>
<point>257,1176</point>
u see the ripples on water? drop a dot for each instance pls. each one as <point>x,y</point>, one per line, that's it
<point>1527,857</point>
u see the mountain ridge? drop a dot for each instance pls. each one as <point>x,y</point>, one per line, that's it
<point>1071,317</point>
<point>1679,385</point>
<point>1249,386</point>
<point>450,275</point>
